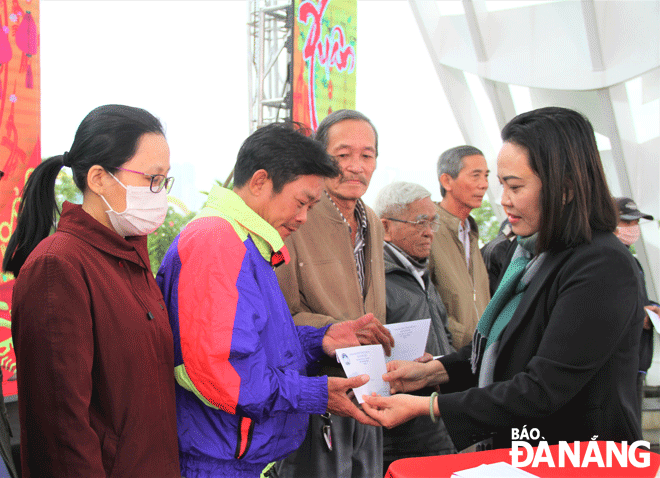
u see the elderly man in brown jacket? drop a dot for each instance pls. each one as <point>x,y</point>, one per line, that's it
<point>336,273</point>
<point>457,267</point>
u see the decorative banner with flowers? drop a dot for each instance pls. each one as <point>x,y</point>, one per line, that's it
<point>20,147</point>
<point>325,39</point>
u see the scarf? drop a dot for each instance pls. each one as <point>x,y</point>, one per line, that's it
<point>501,307</point>
<point>417,268</point>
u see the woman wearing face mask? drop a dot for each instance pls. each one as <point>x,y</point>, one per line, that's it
<point>93,343</point>
<point>557,347</point>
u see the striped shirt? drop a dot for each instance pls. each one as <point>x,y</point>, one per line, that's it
<point>464,237</point>
<point>360,237</point>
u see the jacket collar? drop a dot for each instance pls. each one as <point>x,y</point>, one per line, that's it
<point>550,263</point>
<point>328,210</point>
<point>394,263</point>
<point>452,222</point>
<point>75,221</point>
<point>229,205</point>
<point>396,257</point>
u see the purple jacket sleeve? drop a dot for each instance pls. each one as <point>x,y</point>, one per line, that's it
<point>311,339</point>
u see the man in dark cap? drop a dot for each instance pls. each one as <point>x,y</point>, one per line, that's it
<point>629,216</point>
<point>628,232</point>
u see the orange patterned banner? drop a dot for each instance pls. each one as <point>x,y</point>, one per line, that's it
<point>20,146</point>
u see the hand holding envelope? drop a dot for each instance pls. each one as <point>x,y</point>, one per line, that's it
<point>410,341</point>
<point>365,360</point>
<point>339,401</point>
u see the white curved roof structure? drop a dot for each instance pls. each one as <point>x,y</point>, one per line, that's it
<point>497,59</point>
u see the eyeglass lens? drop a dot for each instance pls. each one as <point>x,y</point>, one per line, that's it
<point>424,224</point>
<point>158,182</point>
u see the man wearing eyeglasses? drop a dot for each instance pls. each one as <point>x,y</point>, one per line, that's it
<point>410,220</point>
<point>457,267</point>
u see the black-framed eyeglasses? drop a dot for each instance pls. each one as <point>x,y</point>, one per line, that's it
<point>420,225</point>
<point>158,181</point>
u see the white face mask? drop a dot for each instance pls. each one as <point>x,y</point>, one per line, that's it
<point>145,211</point>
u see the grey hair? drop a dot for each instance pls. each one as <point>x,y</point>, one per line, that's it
<point>451,162</point>
<point>394,198</point>
<point>335,117</point>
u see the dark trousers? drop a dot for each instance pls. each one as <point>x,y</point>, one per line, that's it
<point>357,451</point>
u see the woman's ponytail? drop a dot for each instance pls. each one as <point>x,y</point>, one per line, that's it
<point>37,213</point>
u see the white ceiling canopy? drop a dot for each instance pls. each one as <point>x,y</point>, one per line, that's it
<point>496,59</point>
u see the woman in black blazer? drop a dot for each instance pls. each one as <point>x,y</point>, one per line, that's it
<point>557,347</point>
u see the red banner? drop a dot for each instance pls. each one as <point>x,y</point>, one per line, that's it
<point>20,147</point>
<point>324,58</point>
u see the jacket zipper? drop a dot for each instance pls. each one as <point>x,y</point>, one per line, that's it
<point>244,433</point>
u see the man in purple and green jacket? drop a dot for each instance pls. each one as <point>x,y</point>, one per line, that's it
<point>242,390</point>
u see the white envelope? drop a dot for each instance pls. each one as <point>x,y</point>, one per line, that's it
<point>365,359</point>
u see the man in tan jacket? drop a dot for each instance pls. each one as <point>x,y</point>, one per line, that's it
<point>336,273</point>
<point>457,267</point>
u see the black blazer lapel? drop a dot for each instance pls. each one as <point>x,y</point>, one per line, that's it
<point>551,262</point>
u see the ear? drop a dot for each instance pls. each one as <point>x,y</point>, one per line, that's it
<point>259,183</point>
<point>386,228</point>
<point>446,181</point>
<point>96,179</point>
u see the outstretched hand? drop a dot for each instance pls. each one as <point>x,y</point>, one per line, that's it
<point>339,403</point>
<point>405,376</point>
<point>427,357</point>
<point>366,330</point>
<point>395,410</point>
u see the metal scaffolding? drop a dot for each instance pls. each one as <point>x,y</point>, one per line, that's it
<point>270,61</point>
